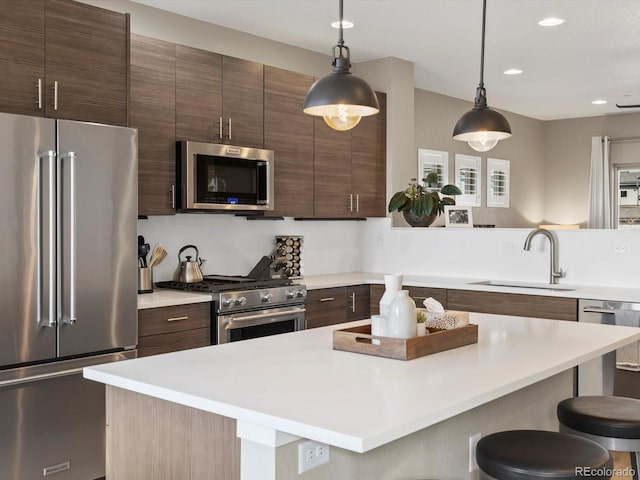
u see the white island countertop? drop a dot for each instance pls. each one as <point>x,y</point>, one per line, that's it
<point>297,384</point>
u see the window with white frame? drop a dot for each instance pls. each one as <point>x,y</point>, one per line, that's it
<point>468,180</point>
<point>433,161</point>
<point>498,182</point>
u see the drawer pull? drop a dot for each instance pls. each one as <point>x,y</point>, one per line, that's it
<point>175,319</point>
<point>327,299</point>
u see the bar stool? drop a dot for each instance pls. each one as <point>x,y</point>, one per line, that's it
<point>537,454</point>
<point>613,422</point>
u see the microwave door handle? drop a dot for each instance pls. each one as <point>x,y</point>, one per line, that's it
<point>51,321</point>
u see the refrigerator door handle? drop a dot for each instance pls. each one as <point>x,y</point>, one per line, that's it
<point>71,157</point>
<point>51,320</point>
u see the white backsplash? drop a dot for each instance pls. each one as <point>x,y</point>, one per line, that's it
<point>232,246</point>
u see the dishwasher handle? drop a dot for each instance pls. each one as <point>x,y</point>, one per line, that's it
<point>592,309</point>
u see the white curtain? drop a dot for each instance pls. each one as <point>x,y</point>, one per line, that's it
<point>600,213</point>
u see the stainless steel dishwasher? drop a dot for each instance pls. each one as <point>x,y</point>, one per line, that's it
<point>600,376</point>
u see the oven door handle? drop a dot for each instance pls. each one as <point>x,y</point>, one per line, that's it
<point>260,318</point>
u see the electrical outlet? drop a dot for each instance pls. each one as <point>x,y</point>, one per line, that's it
<point>382,242</point>
<point>473,442</point>
<point>311,455</point>
<point>622,248</point>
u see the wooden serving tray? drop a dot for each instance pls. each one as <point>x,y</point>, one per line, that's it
<point>360,340</point>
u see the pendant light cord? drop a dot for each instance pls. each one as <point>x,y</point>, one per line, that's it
<point>484,21</point>
<point>341,54</point>
<point>340,39</point>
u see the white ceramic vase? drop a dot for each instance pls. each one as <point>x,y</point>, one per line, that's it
<point>402,317</point>
<point>392,285</point>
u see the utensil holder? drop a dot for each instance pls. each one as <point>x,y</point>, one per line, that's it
<point>145,280</point>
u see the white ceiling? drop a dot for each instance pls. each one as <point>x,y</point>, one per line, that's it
<point>595,54</point>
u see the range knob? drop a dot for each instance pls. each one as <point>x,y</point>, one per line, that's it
<point>267,297</point>
<point>240,301</point>
<point>227,302</point>
<point>301,293</point>
<point>296,294</point>
<point>291,294</point>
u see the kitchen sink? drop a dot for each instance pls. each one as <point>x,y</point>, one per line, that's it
<point>540,286</point>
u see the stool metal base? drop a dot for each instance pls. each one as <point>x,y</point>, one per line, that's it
<point>631,445</point>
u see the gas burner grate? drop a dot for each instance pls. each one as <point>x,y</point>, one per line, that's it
<point>215,283</point>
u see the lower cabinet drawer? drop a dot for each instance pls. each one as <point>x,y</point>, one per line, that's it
<point>172,342</point>
<point>154,321</point>
<point>323,318</point>
<point>325,299</point>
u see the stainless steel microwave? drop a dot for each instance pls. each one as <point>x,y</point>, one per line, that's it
<point>223,177</point>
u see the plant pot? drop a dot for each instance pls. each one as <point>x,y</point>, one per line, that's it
<point>418,220</point>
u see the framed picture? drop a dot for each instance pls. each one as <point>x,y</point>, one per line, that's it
<point>457,216</point>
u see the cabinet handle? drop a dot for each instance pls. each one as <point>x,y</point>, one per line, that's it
<point>173,196</point>
<point>55,95</point>
<point>327,299</point>
<point>351,202</point>
<point>229,128</point>
<point>175,319</point>
<point>358,202</point>
<point>40,94</point>
<point>220,123</point>
<point>353,302</point>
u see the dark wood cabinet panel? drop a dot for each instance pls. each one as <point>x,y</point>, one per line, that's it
<point>242,102</point>
<point>375,295</point>
<point>169,329</point>
<point>322,318</point>
<point>172,342</point>
<point>331,172</point>
<point>87,55</point>
<point>152,112</point>
<point>358,302</point>
<point>368,163</point>
<point>513,304</point>
<point>326,298</point>
<point>198,95</point>
<point>288,131</point>
<point>22,56</point>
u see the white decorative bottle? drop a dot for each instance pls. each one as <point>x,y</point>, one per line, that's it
<point>392,284</point>
<point>402,317</point>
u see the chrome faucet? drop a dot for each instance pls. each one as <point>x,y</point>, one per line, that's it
<point>555,273</point>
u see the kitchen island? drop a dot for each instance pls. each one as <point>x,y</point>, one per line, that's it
<point>385,419</point>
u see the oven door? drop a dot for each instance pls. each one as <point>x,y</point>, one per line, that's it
<point>262,323</point>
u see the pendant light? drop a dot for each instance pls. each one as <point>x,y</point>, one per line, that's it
<point>482,127</point>
<point>341,98</point>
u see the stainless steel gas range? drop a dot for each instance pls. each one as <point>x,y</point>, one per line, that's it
<point>245,307</point>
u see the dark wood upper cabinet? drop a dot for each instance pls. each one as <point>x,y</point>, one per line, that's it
<point>153,112</point>
<point>242,102</point>
<point>198,95</point>
<point>289,133</point>
<point>22,56</point>
<point>331,171</point>
<point>368,163</point>
<point>86,63</point>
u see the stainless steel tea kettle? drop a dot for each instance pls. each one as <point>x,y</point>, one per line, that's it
<point>188,270</point>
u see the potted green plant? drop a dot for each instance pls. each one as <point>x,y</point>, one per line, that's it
<point>421,204</point>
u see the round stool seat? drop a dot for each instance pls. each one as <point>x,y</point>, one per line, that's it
<point>617,417</point>
<point>536,454</point>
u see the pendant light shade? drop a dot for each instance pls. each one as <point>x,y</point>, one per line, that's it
<point>482,127</point>
<point>341,98</point>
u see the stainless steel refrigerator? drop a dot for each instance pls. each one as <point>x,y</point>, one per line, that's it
<point>68,296</point>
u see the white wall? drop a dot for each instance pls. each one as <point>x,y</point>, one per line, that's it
<point>233,245</point>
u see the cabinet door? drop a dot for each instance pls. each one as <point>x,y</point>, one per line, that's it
<point>368,163</point>
<point>198,95</point>
<point>288,131</point>
<point>242,102</point>
<point>513,304</point>
<point>86,54</point>
<point>419,294</point>
<point>358,302</point>
<point>331,172</point>
<point>152,112</point>
<point>22,56</point>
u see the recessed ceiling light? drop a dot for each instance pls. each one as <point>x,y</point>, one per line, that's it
<point>345,24</point>
<point>551,22</point>
<point>599,102</point>
<point>513,71</point>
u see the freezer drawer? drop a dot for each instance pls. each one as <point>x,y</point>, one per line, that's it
<point>53,421</point>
